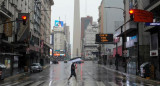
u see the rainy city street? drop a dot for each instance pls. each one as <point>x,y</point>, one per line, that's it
<point>88,73</point>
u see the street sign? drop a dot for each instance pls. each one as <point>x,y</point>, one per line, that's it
<point>152,24</point>
<point>104,38</point>
<point>142,16</point>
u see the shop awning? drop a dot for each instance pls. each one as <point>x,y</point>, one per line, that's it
<point>12,54</point>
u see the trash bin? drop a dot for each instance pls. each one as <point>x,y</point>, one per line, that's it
<point>2,71</point>
<point>145,70</point>
<point>25,68</point>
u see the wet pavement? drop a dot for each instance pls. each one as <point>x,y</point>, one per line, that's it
<point>88,74</point>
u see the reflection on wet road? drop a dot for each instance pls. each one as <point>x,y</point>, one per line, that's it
<point>88,74</point>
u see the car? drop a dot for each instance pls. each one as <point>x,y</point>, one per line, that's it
<point>65,61</point>
<point>55,62</point>
<point>36,67</point>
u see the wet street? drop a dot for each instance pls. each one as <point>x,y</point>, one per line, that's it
<point>88,74</point>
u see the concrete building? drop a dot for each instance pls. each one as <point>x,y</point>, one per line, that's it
<point>84,23</point>
<point>59,43</point>
<point>76,47</point>
<point>89,46</point>
<point>67,40</point>
<point>109,16</point>
<point>45,30</point>
<point>23,40</point>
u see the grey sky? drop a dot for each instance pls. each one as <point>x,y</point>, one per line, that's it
<point>64,10</point>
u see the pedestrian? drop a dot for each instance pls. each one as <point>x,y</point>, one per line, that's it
<point>73,73</point>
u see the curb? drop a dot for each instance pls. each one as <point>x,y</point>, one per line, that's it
<point>130,75</point>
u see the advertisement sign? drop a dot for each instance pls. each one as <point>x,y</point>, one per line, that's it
<point>104,38</point>
<point>142,16</point>
<point>58,23</point>
<point>50,52</point>
<point>8,28</point>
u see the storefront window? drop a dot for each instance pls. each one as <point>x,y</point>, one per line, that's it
<point>154,41</point>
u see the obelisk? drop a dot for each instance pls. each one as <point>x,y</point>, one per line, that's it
<point>76,46</point>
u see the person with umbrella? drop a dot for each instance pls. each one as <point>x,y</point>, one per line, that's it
<point>73,73</point>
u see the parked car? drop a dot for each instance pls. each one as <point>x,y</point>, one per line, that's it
<point>55,62</point>
<point>36,67</point>
<point>65,61</point>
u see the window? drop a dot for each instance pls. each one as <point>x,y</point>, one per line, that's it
<point>154,41</point>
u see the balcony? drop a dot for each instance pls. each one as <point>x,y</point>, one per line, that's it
<point>4,12</point>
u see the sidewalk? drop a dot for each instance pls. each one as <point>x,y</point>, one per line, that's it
<point>21,75</point>
<point>112,68</point>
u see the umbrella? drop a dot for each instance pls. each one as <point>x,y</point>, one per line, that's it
<point>75,60</point>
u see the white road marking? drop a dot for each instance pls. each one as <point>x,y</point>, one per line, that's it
<point>100,84</point>
<point>25,83</point>
<point>112,83</point>
<point>37,83</point>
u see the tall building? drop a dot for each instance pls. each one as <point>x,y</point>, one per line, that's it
<point>84,23</point>
<point>67,40</point>
<point>23,40</point>
<point>76,48</point>
<point>59,43</point>
<point>89,46</point>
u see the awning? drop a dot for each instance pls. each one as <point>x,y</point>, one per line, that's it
<point>12,54</point>
<point>129,32</point>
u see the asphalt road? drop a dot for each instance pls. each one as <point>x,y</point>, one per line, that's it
<point>88,74</point>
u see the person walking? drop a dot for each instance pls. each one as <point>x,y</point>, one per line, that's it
<point>73,73</point>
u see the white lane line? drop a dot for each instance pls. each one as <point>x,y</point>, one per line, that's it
<point>100,84</point>
<point>50,83</point>
<point>37,83</point>
<point>112,83</point>
<point>25,83</point>
<point>15,83</point>
<point>6,83</point>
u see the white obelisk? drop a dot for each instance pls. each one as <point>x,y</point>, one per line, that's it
<point>76,47</point>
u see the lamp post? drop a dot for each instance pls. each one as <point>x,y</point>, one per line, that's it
<point>117,55</point>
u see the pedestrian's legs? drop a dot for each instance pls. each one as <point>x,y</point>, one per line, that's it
<point>75,76</point>
<point>70,77</point>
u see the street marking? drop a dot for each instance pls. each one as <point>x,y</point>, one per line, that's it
<point>37,83</point>
<point>112,83</point>
<point>6,83</point>
<point>15,83</point>
<point>100,84</point>
<point>25,83</point>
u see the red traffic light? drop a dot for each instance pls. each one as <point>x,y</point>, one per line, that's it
<point>131,11</point>
<point>24,17</point>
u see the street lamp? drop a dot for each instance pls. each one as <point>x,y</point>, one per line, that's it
<point>117,55</point>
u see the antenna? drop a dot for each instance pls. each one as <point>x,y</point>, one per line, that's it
<point>86,7</point>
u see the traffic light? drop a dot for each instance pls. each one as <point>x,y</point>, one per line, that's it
<point>131,12</point>
<point>24,18</point>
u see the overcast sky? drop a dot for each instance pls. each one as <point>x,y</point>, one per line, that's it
<point>65,10</point>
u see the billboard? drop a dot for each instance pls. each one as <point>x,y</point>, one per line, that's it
<point>104,38</point>
<point>58,23</point>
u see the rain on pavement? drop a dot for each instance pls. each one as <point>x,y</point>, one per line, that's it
<point>88,73</point>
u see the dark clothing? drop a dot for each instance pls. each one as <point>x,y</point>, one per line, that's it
<point>73,69</point>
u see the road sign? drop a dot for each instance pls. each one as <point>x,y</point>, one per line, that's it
<point>142,16</point>
<point>152,24</point>
<point>104,38</point>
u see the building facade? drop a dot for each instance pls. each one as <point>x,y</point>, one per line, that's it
<point>67,40</point>
<point>21,42</point>
<point>110,13</point>
<point>59,43</point>
<point>89,46</point>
